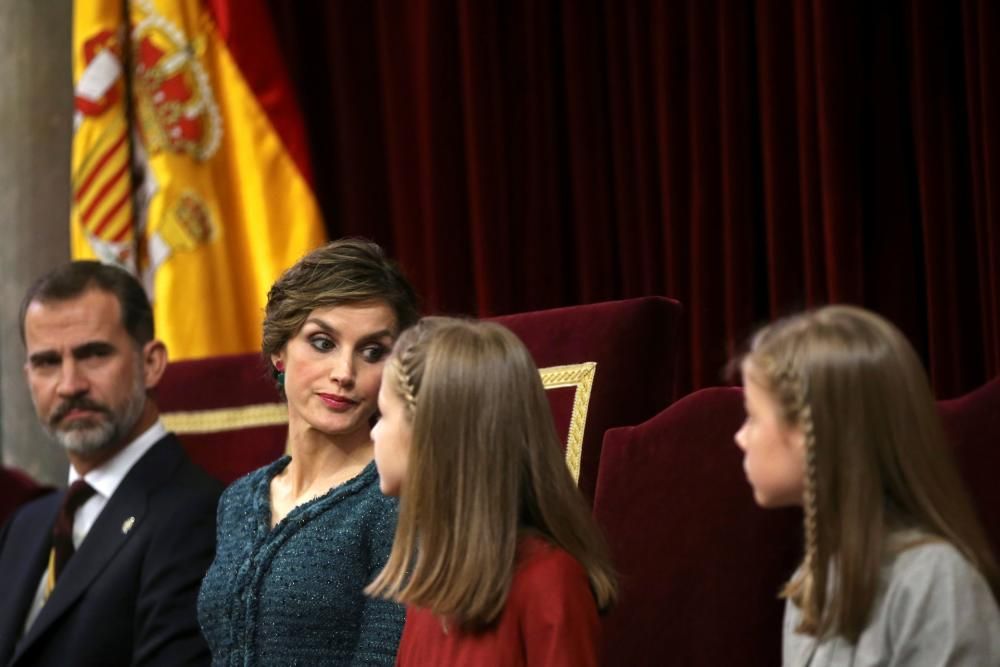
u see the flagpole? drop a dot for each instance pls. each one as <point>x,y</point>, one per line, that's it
<point>136,175</point>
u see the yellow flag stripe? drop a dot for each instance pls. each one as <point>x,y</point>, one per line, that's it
<point>115,210</point>
<point>226,184</point>
<point>112,191</point>
<point>110,134</point>
<point>86,175</point>
<point>119,224</point>
<point>104,185</point>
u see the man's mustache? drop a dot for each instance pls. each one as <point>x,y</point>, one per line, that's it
<point>76,403</point>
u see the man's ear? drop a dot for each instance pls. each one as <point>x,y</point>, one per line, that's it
<point>154,362</point>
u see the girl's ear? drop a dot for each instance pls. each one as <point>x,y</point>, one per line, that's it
<point>796,438</point>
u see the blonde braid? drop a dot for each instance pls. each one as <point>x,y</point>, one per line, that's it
<point>404,381</point>
<point>409,358</point>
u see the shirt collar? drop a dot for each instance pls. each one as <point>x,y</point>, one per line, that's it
<point>106,477</point>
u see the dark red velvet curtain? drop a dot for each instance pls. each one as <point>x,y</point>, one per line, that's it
<point>747,158</point>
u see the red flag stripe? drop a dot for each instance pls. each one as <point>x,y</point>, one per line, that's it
<point>247,30</point>
<point>124,233</point>
<point>111,213</point>
<point>99,197</point>
<point>82,190</point>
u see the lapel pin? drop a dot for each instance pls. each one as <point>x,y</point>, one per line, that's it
<point>127,525</point>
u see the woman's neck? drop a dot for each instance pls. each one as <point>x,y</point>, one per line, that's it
<point>319,463</point>
<point>316,454</point>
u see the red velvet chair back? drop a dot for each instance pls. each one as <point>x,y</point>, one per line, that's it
<point>633,346</point>
<point>973,423</point>
<point>701,565</point>
<point>604,365</point>
<point>227,411</point>
<point>17,488</point>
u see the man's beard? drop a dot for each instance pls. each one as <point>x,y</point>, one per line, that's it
<point>86,436</point>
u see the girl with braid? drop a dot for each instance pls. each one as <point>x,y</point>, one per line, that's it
<point>897,569</point>
<point>495,554</point>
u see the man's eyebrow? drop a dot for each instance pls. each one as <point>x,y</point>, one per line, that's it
<point>45,356</point>
<point>90,349</point>
<point>97,347</point>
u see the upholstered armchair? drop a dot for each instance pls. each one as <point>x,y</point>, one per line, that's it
<point>973,423</point>
<point>17,488</point>
<point>604,365</point>
<point>227,412</point>
<point>700,563</point>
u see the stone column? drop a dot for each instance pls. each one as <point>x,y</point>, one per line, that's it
<point>36,102</point>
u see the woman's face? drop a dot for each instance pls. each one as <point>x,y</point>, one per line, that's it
<point>333,367</point>
<point>773,451</point>
<point>392,436</point>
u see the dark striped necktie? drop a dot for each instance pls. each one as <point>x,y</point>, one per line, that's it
<point>62,532</point>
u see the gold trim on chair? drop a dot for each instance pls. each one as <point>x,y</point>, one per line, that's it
<point>581,377</point>
<point>578,376</point>
<point>226,419</point>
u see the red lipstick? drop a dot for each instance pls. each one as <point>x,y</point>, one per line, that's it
<point>337,402</point>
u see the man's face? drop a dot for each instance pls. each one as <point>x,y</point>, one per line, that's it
<point>84,371</point>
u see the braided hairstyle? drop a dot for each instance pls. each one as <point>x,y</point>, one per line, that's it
<point>876,461</point>
<point>807,588</point>
<point>408,362</point>
<point>484,469</point>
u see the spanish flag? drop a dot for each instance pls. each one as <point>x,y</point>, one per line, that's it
<point>189,162</point>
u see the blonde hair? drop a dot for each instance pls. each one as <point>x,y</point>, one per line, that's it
<point>485,467</point>
<point>877,462</point>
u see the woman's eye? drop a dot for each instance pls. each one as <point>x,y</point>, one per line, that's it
<point>374,353</point>
<point>321,343</point>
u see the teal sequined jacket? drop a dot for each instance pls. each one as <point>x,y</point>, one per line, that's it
<point>292,595</point>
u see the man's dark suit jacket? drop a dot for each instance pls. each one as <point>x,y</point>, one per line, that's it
<point>128,594</point>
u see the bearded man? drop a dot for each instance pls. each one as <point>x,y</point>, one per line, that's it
<point>106,572</point>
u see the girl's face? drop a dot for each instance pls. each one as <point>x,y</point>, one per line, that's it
<point>333,368</point>
<point>392,436</point>
<point>773,451</point>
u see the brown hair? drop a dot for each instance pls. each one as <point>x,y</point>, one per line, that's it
<point>346,271</point>
<point>485,467</point>
<point>877,462</point>
<point>73,279</point>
